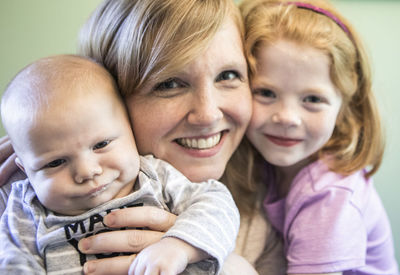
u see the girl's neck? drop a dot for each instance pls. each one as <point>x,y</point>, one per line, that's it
<point>284,176</point>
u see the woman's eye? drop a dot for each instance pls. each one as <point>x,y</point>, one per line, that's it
<point>101,144</point>
<point>264,93</point>
<point>313,99</point>
<point>169,88</point>
<point>55,163</point>
<point>167,85</point>
<point>227,75</point>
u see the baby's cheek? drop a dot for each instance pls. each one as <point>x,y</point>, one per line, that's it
<point>51,197</point>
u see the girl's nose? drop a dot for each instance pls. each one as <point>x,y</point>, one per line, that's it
<point>286,117</point>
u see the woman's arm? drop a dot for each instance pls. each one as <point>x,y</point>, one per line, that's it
<point>7,160</point>
<point>136,240</point>
<point>157,220</point>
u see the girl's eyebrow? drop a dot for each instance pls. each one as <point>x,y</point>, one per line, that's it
<point>261,82</point>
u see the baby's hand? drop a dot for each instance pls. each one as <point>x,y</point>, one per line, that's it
<point>170,256</point>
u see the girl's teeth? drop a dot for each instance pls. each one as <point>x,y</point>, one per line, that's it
<point>201,143</point>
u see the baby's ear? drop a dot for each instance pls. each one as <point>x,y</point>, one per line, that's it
<point>18,162</point>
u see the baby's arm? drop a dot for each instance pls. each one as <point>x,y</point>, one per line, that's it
<point>208,218</point>
<point>18,250</point>
<point>168,256</point>
<point>171,256</point>
<point>237,265</point>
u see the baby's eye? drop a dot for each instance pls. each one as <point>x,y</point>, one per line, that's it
<point>313,99</point>
<point>101,144</point>
<point>264,93</point>
<point>227,75</point>
<point>55,163</point>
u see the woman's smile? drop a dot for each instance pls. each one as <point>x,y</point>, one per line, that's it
<point>205,110</point>
<point>200,143</point>
<point>204,147</point>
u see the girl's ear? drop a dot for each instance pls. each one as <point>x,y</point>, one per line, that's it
<point>18,162</point>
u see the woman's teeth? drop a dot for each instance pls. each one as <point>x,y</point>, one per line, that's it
<point>200,143</point>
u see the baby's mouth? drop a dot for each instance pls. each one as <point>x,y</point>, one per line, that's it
<point>200,143</point>
<point>97,191</point>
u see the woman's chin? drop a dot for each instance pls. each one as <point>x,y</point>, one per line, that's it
<point>203,173</point>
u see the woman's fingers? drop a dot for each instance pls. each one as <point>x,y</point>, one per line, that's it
<point>129,240</point>
<point>146,216</point>
<point>6,148</point>
<point>119,241</point>
<point>7,168</point>
<point>109,266</point>
<point>4,139</point>
<point>7,160</point>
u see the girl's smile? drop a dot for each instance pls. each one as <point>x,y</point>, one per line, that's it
<point>295,103</point>
<point>283,141</point>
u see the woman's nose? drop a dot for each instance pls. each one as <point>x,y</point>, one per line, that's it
<point>205,107</point>
<point>86,169</point>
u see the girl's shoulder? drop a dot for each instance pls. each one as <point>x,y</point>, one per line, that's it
<point>317,177</point>
<point>317,181</point>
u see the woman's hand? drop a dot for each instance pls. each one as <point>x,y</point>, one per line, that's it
<point>7,160</point>
<point>156,220</point>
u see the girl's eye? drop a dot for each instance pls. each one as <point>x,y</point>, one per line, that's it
<point>55,163</point>
<point>227,75</point>
<point>313,99</point>
<point>264,93</point>
<point>101,144</point>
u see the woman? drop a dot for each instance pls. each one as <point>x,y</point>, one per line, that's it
<point>182,72</point>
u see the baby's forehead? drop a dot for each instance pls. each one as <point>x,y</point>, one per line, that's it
<point>45,77</point>
<point>62,80</point>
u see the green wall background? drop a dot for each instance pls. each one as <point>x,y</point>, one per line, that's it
<point>34,29</point>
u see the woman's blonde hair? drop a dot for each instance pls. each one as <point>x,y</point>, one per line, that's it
<point>148,40</point>
<point>357,141</point>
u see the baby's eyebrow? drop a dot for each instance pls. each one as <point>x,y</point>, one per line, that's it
<point>36,166</point>
<point>40,161</point>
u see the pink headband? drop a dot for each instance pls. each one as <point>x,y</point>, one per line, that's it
<point>321,11</point>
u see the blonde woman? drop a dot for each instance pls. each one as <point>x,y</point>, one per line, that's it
<point>182,72</point>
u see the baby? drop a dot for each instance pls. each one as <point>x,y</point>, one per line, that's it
<point>72,136</point>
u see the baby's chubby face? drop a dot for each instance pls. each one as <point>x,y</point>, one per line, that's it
<point>80,151</point>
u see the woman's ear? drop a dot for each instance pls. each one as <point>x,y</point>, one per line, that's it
<point>18,162</point>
